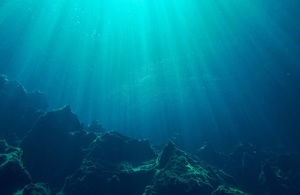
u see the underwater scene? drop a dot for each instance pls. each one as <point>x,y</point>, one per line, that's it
<point>149,97</point>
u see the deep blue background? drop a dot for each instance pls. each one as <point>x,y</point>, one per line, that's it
<point>250,93</point>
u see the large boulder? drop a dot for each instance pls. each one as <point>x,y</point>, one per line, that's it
<point>55,147</point>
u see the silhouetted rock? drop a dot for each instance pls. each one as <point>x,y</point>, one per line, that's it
<point>113,147</point>
<point>173,172</point>
<point>13,176</point>
<point>255,171</point>
<point>13,98</point>
<point>283,176</point>
<point>35,189</point>
<point>180,173</point>
<point>116,164</point>
<point>96,177</point>
<point>244,164</point>
<point>54,148</point>
<point>38,100</point>
<point>13,104</point>
<point>29,119</point>
<point>18,110</point>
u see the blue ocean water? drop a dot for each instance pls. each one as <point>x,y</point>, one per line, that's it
<point>223,71</point>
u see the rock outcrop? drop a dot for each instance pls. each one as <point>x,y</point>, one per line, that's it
<point>13,175</point>
<point>55,147</point>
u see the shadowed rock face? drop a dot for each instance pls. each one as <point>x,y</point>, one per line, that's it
<point>13,176</point>
<point>173,172</point>
<point>113,147</point>
<point>116,164</point>
<point>13,98</point>
<point>256,171</point>
<point>38,100</point>
<point>53,149</point>
<point>13,102</point>
<point>180,173</point>
<point>18,109</point>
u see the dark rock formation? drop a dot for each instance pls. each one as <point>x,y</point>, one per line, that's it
<point>111,168</point>
<point>116,164</point>
<point>35,189</point>
<point>113,147</point>
<point>38,100</point>
<point>69,160</point>
<point>95,126</point>
<point>54,148</point>
<point>283,176</point>
<point>96,177</point>
<point>13,98</point>
<point>255,171</point>
<point>13,176</point>
<point>18,110</point>
<point>245,165</point>
<point>13,102</point>
<point>180,173</point>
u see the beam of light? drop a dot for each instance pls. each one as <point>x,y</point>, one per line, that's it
<point>152,67</point>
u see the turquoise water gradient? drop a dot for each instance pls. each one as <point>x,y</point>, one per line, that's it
<point>181,69</point>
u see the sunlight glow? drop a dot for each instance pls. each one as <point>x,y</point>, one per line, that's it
<point>126,61</point>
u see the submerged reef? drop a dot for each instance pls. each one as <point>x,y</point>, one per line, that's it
<point>52,153</point>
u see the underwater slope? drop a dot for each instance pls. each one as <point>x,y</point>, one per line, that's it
<point>58,155</point>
